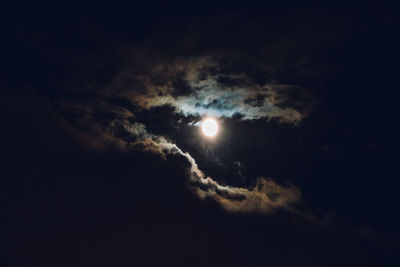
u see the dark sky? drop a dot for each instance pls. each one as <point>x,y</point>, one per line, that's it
<point>103,162</point>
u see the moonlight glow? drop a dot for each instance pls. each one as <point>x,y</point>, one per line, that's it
<point>209,127</point>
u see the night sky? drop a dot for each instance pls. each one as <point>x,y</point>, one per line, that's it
<point>103,161</point>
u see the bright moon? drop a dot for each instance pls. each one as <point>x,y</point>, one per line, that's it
<point>209,127</point>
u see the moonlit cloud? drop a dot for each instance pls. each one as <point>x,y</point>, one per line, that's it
<point>132,137</point>
<point>209,84</point>
<point>201,86</point>
<point>265,197</point>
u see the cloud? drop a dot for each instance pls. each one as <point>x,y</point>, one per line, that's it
<point>124,135</point>
<point>202,86</point>
<point>232,78</point>
<point>265,197</point>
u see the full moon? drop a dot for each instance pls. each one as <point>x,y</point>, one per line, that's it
<point>209,127</point>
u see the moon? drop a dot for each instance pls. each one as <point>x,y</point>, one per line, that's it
<point>209,127</point>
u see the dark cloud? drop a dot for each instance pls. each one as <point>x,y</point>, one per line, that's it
<point>219,79</point>
<point>111,111</point>
<point>123,134</point>
<point>104,162</point>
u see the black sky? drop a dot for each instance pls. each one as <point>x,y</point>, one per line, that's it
<point>103,162</point>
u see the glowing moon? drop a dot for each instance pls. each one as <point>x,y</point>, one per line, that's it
<point>209,127</point>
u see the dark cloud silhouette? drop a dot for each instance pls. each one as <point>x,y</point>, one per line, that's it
<point>121,133</point>
<point>103,162</point>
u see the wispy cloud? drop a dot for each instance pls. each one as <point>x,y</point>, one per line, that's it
<point>201,86</point>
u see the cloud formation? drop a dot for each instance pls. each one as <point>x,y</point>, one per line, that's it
<point>265,197</point>
<point>204,86</point>
<point>233,79</point>
<point>123,134</point>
